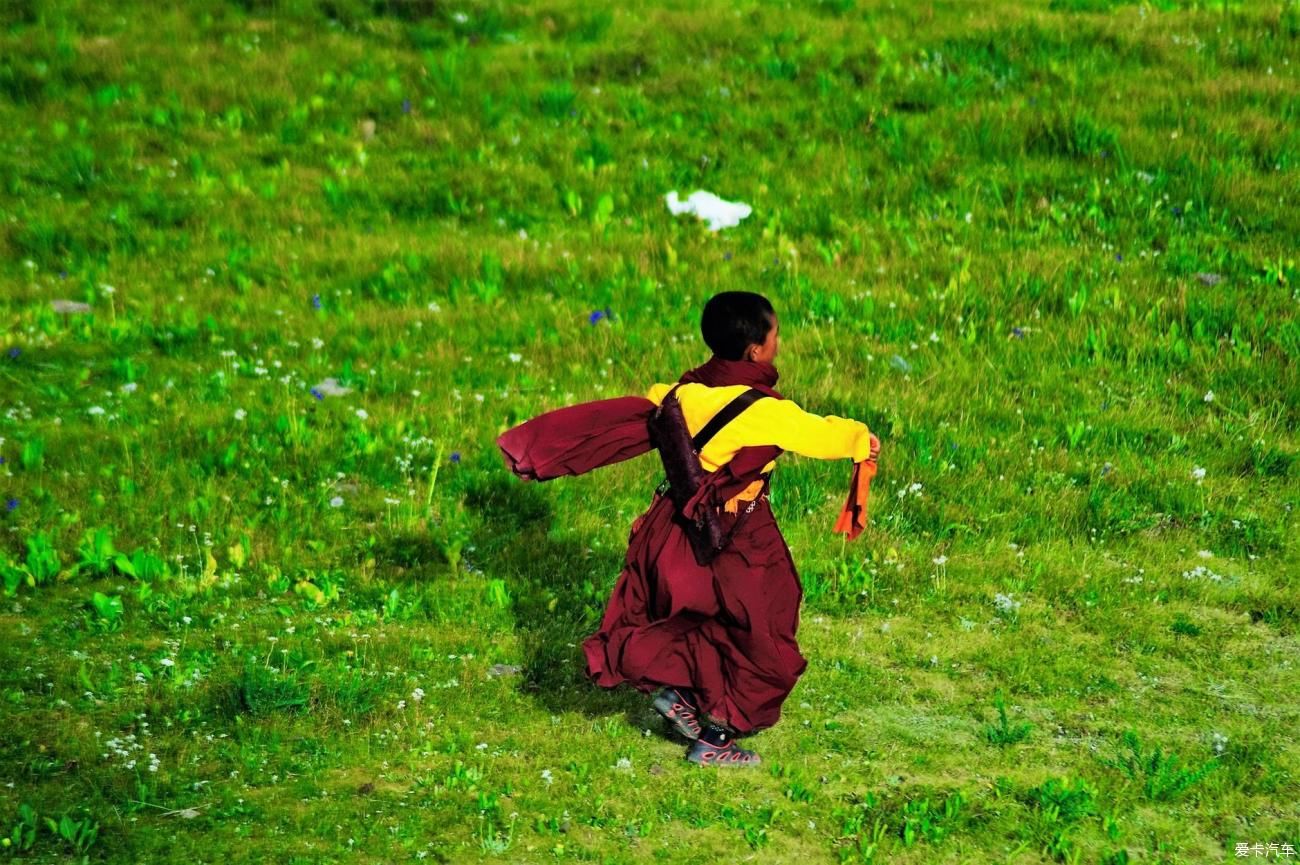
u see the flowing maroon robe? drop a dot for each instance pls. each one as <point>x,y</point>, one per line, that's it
<point>725,630</point>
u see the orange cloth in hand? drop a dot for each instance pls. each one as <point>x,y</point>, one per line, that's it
<point>853,517</point>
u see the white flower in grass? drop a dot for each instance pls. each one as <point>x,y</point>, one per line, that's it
<point>1205,554</point>
<point>240,414</point>
<point>336,502</point>
<point>167,662</point>
<point>515,357</point>
<point>546,776</point>
<point>95,410</point>
<point>361,413</point>
<point>1005,603</point>
<point>1198,473</point>
<point>940,560</point>
<point>417,695</point>
<point>1209,396</point>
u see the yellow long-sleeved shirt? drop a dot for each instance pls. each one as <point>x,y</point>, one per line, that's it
<point>777,422</point>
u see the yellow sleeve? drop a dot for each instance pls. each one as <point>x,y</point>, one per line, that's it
<point>656,392</point>
<point>782,423</point>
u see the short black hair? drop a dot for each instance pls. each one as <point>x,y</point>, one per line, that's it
<point>735,320</point>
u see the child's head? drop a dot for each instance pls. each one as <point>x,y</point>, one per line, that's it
<point>740,325</point>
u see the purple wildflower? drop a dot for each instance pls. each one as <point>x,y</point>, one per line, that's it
<point>63,274</point>
<point>455,456</point>
<point>726,256</point>
<point>1178,211</point>
<point>315,301</point>
<point>13,353</point>
<point>316,393</point>
<point>2,461</point>
<point>596,315</point>
<point>11,504</point>
<point>1119,257</point>
<point>1017,333</point>
<point>406,106</point>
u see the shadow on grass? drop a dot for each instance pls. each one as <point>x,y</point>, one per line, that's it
<point>557,595</point>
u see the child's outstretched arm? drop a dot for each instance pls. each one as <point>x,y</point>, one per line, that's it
<point>782,423</point>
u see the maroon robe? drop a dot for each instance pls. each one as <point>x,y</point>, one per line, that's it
<point>725,630</point>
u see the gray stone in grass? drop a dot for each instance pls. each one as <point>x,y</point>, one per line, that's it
<point>1209,278</point>
<point>70,306</point>
<point>504,670</point>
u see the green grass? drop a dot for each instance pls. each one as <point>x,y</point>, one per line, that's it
<point>1046,250</point>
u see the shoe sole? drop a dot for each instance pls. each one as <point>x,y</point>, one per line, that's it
<point>665,708</point>
<point>693,757</point>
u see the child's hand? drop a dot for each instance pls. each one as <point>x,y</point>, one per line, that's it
<point>875,447</point>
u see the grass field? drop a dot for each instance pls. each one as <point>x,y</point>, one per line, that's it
<point>276,274</point>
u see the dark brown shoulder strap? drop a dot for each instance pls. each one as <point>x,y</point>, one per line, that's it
<point>729,413</point>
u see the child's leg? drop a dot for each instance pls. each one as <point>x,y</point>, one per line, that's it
<point>754,636</point>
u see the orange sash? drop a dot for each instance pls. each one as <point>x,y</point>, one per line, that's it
<point>853,517</point>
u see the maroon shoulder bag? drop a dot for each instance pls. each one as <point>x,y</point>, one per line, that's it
<point>680,453</point>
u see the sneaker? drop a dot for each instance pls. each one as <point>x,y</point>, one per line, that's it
<point>715,747</point>
<point>680,711</point>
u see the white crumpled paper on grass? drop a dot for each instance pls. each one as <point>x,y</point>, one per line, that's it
<point>709,207</point>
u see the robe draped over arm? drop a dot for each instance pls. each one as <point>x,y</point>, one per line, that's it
<point>576,439</point>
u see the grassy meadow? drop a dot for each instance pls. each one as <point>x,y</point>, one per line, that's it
<point>275,273</point>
